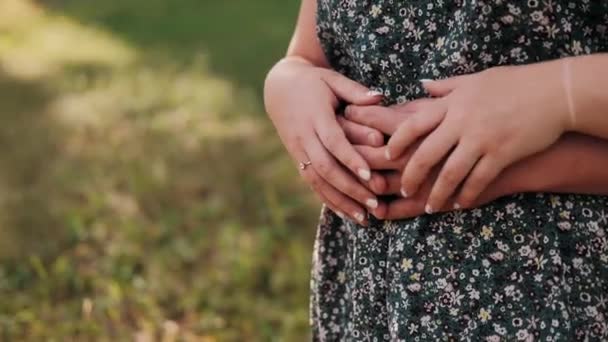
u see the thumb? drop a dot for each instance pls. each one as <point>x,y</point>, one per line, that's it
<point>440,88</point>
<point>349,90</point>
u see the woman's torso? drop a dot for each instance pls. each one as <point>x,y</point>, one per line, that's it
<point>528,266</point>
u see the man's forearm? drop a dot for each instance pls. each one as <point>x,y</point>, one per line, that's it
<point>575,164</point>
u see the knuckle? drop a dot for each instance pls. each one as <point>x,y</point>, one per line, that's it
<point>332,142</point>
<point>481,177</point>
<point>415,125</point>
<point>353,111</point>
<point>450,178</point>
<point>354,191</point>
<point>374,120</point>
<point>349,160</point>
<point>378,185</point>
<point>475,182</point>
<point>466,199</point>
<point>324,168</point>
<point>419,165</point>
<point>331,173</point>
<point>345,206</point>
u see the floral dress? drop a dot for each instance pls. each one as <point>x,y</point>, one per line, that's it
<point>527,267</point>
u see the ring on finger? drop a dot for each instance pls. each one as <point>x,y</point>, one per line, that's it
<point>304,165</point>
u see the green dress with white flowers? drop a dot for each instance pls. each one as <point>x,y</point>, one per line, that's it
<point>527,267</point>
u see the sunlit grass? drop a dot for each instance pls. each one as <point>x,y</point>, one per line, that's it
<point>142,194</point>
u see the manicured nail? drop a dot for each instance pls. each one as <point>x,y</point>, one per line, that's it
<point>457,206</point>
<point>403,193</point>
<point>340,214</point>
<point>359,217</point>
<point>374,93</point>
<point>372,203</point>
<point>365,174</point>
<point>428,209</point>
<point>425,80</point>
<point>387,154</point>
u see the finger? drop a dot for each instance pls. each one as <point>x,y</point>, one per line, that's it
<point>404,208</point>
<point>333,138</point>
<point>340,204</point>
<point>393,183</point>
<point>384,119</point>
<point>378,183</point>
<point>440,88</point>
<point>327,167</point>
<point>486,170</point>
<point>360,134</point>
<point>388,183</point>
<point>349,90</point>
<point>376,159</point>
<point>415,126</point>
<point>412,106</point>
<point>337,201</point>
<point>329,204</point>
<point>431,151</point>
<point>456,168</point>
<point>380,211</point>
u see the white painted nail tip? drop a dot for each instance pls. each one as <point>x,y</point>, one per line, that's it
<point>340,215</point>
<point>374,93</point>
<point>372,203</point>
<point>387,154</point>
<point>403,193</point>
<point>457,206</point>
<point>359,217</point>
<point>428,209</point>
<point>365,174</point>
<point>426,80</point>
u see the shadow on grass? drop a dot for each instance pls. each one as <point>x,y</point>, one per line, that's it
<point>149,227</point>
<point>30,143</point>
<point>241,38</point>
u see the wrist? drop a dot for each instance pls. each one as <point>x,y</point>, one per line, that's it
<point>557,96</point>
<point>588,94</point>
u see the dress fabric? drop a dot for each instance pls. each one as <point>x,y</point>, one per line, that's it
<point>527,267</point>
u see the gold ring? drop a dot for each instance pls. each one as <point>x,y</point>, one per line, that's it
<point>304,165</point>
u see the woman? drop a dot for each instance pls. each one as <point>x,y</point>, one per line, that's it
<point>488,207</point>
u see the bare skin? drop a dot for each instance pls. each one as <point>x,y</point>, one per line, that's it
<point>302,96</point>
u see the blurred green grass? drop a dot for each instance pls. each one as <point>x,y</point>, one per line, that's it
<point>143,194</point>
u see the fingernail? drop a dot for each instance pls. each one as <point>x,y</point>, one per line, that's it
<point>457,206</point>
<point>428,209</point>
<point>372,138</point>
<point>359,217</point>
<point>387,154</point>
<point>372,203</point>
<point>347,110</point>
<point>403,193</point>
<point>426,80</point>
<point>365,174</point>
<point>340,214</point>
<point>374,93</point>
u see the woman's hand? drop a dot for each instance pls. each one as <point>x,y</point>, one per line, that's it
<point>386,181</point>
<point>301,100</point>
<point>479,124</point>
<point>386,174</point>
<point>537,173</point>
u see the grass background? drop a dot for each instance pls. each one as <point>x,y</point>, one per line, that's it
<point>143,193</point>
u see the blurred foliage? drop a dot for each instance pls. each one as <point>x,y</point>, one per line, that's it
<point>143,194</point>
